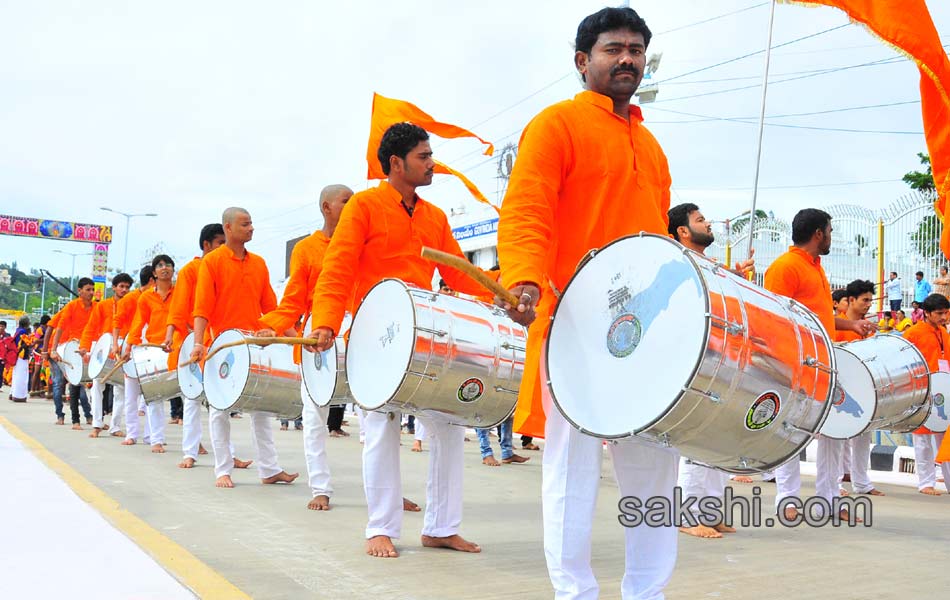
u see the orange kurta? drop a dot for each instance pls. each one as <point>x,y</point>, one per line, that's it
<point>125,312</point>
<point>306,262</point>
<point>71,321</point>
<point>798,276</point>
<point>934,344</point>
<point>841,336</point>
<point>153,312</point>
<point>375,239</point>
<point>584,177</point>
<point>233,293</point>
<point>100,322</point>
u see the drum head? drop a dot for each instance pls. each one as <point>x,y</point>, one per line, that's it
<point>627,335</point>
<point>190,379</point>
<point>227,371</point>
<point>939,395</point>
<point>853,400</point>
<point>70,353</point>
<point>128,367</point>
<point>99,354</point>
<point>381,344</point>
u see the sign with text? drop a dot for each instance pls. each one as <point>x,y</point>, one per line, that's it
<point>475,229</point>
<point>55,230</point>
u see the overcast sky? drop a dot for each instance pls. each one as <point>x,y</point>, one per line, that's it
<point>185,108</point>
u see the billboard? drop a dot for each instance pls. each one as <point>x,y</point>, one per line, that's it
<point>50,229</point>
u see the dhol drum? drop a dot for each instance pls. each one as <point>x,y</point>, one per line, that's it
<point>938,419</point>
<point>190,378</point>
<point>252,377</point>
<point>324,373</point>
<point>159,383</point>
<point>75,369</point>
<point>102,362</point>
<point>885,379</point>
<point>653,340</point>
<point>434,355</point>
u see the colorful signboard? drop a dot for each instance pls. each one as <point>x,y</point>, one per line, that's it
<point>55,230</point>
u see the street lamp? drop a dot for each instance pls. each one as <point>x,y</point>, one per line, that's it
<point>25,295</point>
<point>128,217</point>
<point>72,274</point>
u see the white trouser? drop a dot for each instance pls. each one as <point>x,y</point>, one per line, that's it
<point>191,428</point>
<point>698,481</point>
<point>143,409</point>
<point>788,481</point>
<point>925,451</point>
<point>133,391</point>
<point>262,437</point>
<point>315,445</point>
<point>20,384</point>
<point>118,408</point>
<point>858,454</point>
<point>828,467</point>
<point>571,468</point>
<point>155,413</point>
<point>383,483</point>
<point>420,430</point>
<point>95,394</point>
<point>362,417</point>
<point>768,475</point>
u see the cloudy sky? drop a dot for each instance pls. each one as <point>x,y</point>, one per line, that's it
<point>185,108</point>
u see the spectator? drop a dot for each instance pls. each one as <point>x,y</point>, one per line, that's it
<point>3,355</point>
<point>922,288</point>
<point>942,283</point>
<point>507,453</point>
<point>899,321</point>
<point>40,380</point>
<point>893,290</point>
<point>23,344</point>
<point>918,313</point>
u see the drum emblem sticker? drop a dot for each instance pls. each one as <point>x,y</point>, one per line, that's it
<point>623,337</point>
<point>99,355</point>
<point>763,411</point>
<point>845,403</point>
<point>318,360</point>
<point>225,369</point>
<point>471,390</point>
<point>387,338</point>
<point>938,403</point>
<point>195,371</point>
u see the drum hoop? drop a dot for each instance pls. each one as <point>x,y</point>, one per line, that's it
<point>689,380</point>
<point>346,356</point>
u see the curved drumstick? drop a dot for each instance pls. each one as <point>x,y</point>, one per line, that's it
<point>460,264</point>
<point>116,367</point>
<point>258,341</point>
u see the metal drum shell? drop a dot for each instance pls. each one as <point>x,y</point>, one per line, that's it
<point>77,373</point>
<point>268,379</point>
<point>158,382</point>
<point>465,363</point>
<point>100,363</point>
<point>757,349</point>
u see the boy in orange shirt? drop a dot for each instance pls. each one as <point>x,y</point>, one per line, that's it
<point>68,325</point>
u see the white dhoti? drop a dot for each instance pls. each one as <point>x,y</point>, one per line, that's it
<point>858,454</point>
<point>155,413</point>
<point>262,436</point>
<point>315,436</point>
<point>698,481</point>
<point>95,393</point>
<point>118,408</point>
<point>133,391</point>
<point>828,470</point>
<point>191,428</point>
<point>788,481</point>
<point>925,451</point>
<point>20,384</point>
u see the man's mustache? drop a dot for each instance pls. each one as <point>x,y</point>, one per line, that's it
<point>624,69</point>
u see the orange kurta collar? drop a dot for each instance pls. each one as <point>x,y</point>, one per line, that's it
<point>607,104</point>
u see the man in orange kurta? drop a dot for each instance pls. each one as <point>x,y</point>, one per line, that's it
<point>381,234</point>
<point>121,322</point>
<point>930,337</point>
<point>180,323</point>
<point>152,314</point>
<point>100,323</point>
<point>306,262</point>
<point>233,292</point>
<point>69,324</point>
<point>588,172</point>
<point>798,275</point>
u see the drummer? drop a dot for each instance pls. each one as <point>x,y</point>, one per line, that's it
<point>124,313</point>
<point>689,227</point>
<point>930,336</point>
<point>306,261</point>
<point>152,312</point>
<point>855,453</point>
<point>68,325</point>
<point>588,172</point>
<point>798,275</point>
<point>380,234</point>
<point>232,292</point>
<point>99,324</point>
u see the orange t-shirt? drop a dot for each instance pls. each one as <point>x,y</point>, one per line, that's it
<point>125,312</point>
<point>584,177</point>
<point>100,322</point>
<point>798,276</point>
<point>233,293</point>
<point>71,320</point>
<point>152,311</point>
<point>934,344</point>
<point>306,262</point>
<point>375,239</point>
<point>841,336</point>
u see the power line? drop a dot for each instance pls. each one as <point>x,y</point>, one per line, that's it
<point>789,115</point>
<point>711,19</point>
<point>791,187</point>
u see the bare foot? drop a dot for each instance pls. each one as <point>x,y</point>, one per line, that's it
<point>845,515</point>
<point>417,446</point>
<point>514,458</point>
<point>321,502</point>
<point>158,449</point>
<point>452,542</point>
<point>224,482</point>
<point>118,433</point>
<point>95,432</point>
<point>791,513</point>
<point>381,546</point>
<point>242,464</point>
<point>929,491</point>
<point>723,528</point>
<point>105,428</point>
<point>410,506</point>
<point>491,461</point>
<point>531,446</point>
<point>843,492</point>
<point>742,479</point>
<point>201,450</point>
<point>60,422</point>
<point>283,428</point>
<point>172,421</point>
<point>187,463</point>
<point>141,413</point>
<point>873,492</point>
<point>88,420</point>
<point>77,426</point>
<point>178,421</point>
<point>339,433</point>
<point>701,531</point>
<point>128,442</point>
<point>282,477</point>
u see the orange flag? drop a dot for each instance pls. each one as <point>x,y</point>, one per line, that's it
<point>387,111</point>
<point>907,25</point>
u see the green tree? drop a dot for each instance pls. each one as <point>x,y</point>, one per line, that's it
<point>740,223</point>
<point>926,239</point>
<point>922,182</point>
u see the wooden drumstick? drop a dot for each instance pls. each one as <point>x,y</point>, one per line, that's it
<point>460,264</point>
<point>116,367</point>
<point>260,341</point>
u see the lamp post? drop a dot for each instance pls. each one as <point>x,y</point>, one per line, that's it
<point>25,296</point>
<point>72,274</point>
<point>128,217</point>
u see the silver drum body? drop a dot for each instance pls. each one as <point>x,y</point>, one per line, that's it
<point>77,372</point>
<point>890,376</point>
<point>652,340</point>
<point>250,377</point>
<point>159,383</point>
<point>324,373</point>
<point>434,355</point>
